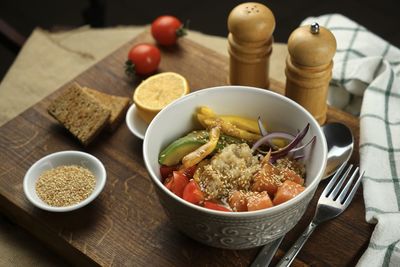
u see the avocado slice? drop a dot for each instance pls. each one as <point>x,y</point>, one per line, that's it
<point>174,152</point>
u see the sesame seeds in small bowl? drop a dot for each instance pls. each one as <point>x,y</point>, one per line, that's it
<point>64,181</point>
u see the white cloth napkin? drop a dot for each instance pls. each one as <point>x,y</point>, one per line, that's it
<point>366,74</point>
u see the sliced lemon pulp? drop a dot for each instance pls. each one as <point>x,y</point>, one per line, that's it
<point>157,91</point>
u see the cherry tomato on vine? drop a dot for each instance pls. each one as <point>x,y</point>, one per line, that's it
<point>167,29</point>
<point>142,59</point>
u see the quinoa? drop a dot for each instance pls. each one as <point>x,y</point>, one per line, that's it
<point>65,185</point>
<point>231,169</point>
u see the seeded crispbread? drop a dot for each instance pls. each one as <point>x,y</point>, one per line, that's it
<point>116,104</point>
<point>83,116</point>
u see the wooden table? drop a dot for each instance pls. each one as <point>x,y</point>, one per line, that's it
<point>126,225</point>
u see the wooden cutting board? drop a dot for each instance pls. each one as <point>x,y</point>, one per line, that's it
<point>125,225</point>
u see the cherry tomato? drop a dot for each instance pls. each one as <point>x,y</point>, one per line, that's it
<point>214,206</point>
<point>192,193</point>
<point>143,59</point>
<point>176,183</point>
<point>167,29</point>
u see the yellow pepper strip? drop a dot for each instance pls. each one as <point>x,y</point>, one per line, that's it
<point>230,129</point>
<point>206,111</point>
<point>280,142</point>
<point>242,123</point>
<point>199,154</point>
<point>201,118</point>
<point>236,126</point>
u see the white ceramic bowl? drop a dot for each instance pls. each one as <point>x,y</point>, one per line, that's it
<point>232,230</point>
<point>58,159</point>
<point>135,124</point>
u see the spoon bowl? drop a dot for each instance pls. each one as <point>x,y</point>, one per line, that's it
<point>340,143</point>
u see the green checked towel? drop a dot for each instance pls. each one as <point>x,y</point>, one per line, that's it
<point>366,80</point>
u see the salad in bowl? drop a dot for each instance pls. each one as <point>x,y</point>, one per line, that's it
<point>234,167</point>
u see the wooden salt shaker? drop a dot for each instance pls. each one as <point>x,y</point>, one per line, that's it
<point>250,44</point>
<point>309,68</point>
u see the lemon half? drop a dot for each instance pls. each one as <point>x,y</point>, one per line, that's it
<point>157,91</point>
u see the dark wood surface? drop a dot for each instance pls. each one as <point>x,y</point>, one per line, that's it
<point>126,225</point>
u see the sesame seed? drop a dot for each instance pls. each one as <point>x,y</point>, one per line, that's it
<point>65,185</point>
<point>236,169</point>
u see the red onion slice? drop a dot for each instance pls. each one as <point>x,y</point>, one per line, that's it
<point>294,150</point>
<point>299,157</point>
<point>294,140</point>
<point>268,138</point>
<point>284,151</point>
<point>263,131</point>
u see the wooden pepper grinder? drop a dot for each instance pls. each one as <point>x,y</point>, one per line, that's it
<point>309,68</point>
<point>250,39</point>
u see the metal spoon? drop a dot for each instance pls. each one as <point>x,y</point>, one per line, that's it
<point>340,143</point>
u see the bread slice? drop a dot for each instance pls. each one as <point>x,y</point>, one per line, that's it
<point>79,113</point>
<point>116,104</point>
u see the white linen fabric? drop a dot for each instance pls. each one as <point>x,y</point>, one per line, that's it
<point>366,75</point>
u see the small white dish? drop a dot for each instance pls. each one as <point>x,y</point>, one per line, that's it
<point>135,124</point>
<point>58,159</point>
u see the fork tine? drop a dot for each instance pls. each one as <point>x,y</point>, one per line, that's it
<point>353,191</point>
<point>333,180</point>
<point>338,186</point>
<point>343,194</point>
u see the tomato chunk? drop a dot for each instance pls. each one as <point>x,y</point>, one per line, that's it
<point>214,206</point>
<point>166,171</point>
<point>192,193</point>
<point>189,172</point>
<point>287,191</point>
<point>176,183</point>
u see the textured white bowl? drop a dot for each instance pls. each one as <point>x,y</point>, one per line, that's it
<point>58,159</point>
<point>232,230</point>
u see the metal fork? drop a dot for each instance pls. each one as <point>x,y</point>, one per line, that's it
<point>332,202</point>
